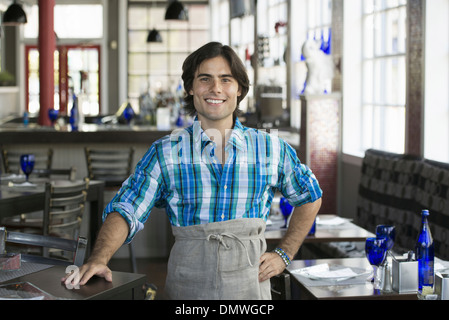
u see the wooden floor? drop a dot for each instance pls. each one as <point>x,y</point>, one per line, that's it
<point>154,268</point>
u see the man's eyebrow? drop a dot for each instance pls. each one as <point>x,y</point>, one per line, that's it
<point>210,76</point>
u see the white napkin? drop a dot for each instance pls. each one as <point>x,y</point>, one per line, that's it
<point>323,272</point>
<point>23,184</point>
<point>331,222</point>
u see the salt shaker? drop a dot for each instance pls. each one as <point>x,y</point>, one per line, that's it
<point>386,279</point>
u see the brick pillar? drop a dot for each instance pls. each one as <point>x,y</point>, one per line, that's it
<point>47,46</point>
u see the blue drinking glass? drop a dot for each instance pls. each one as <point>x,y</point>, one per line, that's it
<point>387,231</point>
<point>27,164</point>
<point>53,115</point>
<point>286,209</point>
<point>128,113</point>
<point>376,252</point>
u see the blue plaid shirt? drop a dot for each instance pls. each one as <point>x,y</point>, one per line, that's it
<point>182,173</point>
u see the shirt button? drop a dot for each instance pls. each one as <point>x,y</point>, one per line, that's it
<point>225,187</point>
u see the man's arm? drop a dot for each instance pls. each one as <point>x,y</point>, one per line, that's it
<point>302,219</point>
<point>111,237</point>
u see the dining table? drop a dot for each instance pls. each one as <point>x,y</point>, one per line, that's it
<point>329,228</point>
<point>34,281</point>
<point>17,197</point>
<point>352,282</point>
<point>342,279</point>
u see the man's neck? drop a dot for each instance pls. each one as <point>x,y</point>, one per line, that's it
<point>219,132</point>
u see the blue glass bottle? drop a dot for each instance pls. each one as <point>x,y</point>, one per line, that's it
<point>425,253</point>
<point>74,116</point>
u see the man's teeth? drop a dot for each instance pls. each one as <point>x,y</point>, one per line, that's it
<point>214,101</point>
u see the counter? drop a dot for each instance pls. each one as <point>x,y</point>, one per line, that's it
<point>88,133</point>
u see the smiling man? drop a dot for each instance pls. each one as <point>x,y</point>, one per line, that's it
<point>217,180</point>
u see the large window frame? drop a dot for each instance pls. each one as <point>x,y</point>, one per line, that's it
<point>436,99</point>
<point>384,74</point>
<point>374,85</point>
<point>155,68</point>
<point>79,25</point>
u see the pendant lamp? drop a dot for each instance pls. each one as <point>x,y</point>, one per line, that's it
<point>14,15</point>
<point>176,11</point>
<point>154,36</point>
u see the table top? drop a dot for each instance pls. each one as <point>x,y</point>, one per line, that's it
<point>123,286</point>
<point>352,289</point>
<point>18,199</point>
<point>329,228</point>
<point>18,196</point>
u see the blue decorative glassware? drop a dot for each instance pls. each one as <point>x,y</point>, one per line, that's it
<point>128,114</point>
<point>376,252</point>
<point>313,228</point>
<point>286,209</point>
<point>53,115</point>
<point>27,164</point>
<point>387,231</point>
<point>425,254</point>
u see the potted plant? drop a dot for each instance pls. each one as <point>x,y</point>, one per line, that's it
<point>6,79</point>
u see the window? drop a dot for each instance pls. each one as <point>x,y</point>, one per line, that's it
<point>155,68</point>
<point>319,21</point>
<point>374,88</point>
<point>76,72</point>
<point>77,67</point>
<point>436,101</point>
<point>72,21</point>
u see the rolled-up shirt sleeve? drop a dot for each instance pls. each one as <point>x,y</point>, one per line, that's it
<point>298,183</point>
<point>138,194</point>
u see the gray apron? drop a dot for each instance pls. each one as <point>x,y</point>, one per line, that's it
<point>218,261</point>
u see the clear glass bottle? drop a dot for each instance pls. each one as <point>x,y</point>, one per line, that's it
<point>425,255</point>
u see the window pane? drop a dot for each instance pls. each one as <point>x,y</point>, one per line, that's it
<point>79,21</point>
<point>138,18</point>
<point>368,38</point>
<point>368,78</point>
<point>157,66</point>
<point>384,128</point>
<point>137,63</point>
<point>383,113</point>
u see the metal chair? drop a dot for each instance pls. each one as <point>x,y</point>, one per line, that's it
<point>76,247</point>
<point>11,159</point>
<point>113,166</point>
<point>62,215</point>
<point>69,174</point>
<point>280,287</point>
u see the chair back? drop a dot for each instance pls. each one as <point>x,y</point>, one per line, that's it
<point>69,174</point>
<point>11,159</point>
<point>64,209</point>
<point>111,166</point>
<point>76,247</point>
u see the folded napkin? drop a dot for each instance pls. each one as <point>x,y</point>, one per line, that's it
<point>22,185</point>
<point>322,271</point>
<point>331,222</point>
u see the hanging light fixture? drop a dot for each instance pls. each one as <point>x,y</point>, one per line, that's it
<point>14,15</point>
<point>176,11</point>
<point>154,36</point>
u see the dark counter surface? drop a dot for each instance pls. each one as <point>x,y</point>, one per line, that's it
<point>88,133</point>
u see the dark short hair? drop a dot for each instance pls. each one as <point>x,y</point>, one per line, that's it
<point>209,51</point>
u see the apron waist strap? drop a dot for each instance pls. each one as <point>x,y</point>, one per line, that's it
<point>219,238</point>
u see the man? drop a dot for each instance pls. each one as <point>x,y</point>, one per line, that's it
<point>216,180</point>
